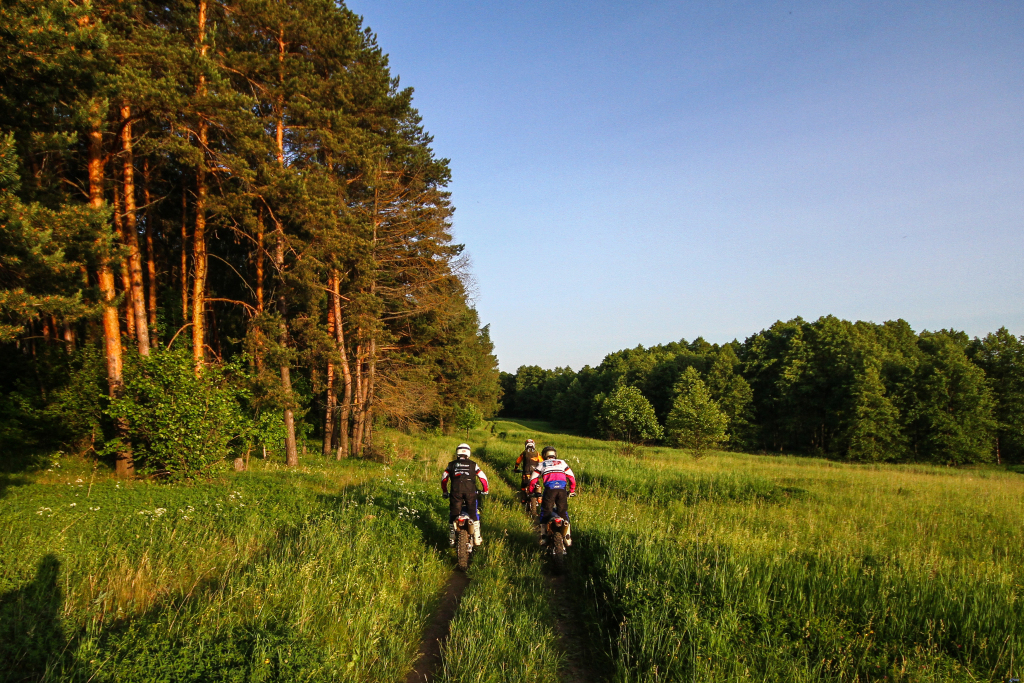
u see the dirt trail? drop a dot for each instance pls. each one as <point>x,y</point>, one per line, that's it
<point>429,658</point>
<point>577,668</point>
<point>570,635</point>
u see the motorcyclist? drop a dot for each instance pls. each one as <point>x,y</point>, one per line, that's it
<point>463,473</point>
<point>559,483</point>
<point>526,463</point>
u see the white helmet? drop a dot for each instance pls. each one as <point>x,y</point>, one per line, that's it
<point>530,445</point>
<point>462,450</point>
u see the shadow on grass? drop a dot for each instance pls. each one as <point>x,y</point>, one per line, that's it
<point>34,646</point>
<point>31,638</point>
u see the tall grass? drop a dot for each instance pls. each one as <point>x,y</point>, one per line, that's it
<point>782,569</point>
<point>328,573</point>
<point>503,631</point>
<point>733,567</point>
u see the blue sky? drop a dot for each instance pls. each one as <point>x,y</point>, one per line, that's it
<point>636,173</point>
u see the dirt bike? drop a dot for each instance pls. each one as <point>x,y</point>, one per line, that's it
<point>463,540</point>
<point>532,503</point>
<point>464,544</point>
<point>556,541</point>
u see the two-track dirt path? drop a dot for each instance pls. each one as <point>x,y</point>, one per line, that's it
<point>577,668</point>
<point>429,660</point>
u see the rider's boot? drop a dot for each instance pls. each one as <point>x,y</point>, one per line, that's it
<point>477,540</point>
<point>451,534</point>
<point>568,538</point>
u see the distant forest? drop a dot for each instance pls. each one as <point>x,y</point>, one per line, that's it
<point>834,388</point>
<point>222,226</point>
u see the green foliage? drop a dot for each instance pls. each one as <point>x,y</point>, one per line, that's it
<point>627,416</point>
<point>752,568</point>
<point>180,425</point>
<point>874,430</point>
<point>951,417</point>
<point>696,422</point>
<point>468,417</point>
<point>42,253</point>
<point>1001,356</point>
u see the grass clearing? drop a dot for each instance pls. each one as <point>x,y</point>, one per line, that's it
<point>737,567</point>
<point>790,569</point>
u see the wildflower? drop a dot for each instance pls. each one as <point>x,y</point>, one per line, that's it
<point>73,505</point>
<point>159,511</point>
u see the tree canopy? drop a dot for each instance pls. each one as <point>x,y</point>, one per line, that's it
<point>239,179</point>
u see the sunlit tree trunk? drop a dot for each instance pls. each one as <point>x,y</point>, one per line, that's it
<point>150,250</point>
<point>346,372</point>
<point>199,234</point>
<point>330,416</point>
<point>282,302</point>
<point>137,295</point>
<point>184,254</point>
<point>125,466</point>
<point>126,278</point>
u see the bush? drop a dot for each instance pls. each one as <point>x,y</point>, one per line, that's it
<point>179,424</point>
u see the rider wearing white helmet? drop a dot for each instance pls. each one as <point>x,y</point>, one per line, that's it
<point>559,482</point>
<point>462,473</point>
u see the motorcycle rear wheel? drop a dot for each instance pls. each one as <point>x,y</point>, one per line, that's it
<point>462,549</point>
<point>558,552</point>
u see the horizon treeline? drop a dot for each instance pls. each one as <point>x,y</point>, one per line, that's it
<point>239,188</point>
<point>834,388</point>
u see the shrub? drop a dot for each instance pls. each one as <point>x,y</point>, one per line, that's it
<point>179,424</point>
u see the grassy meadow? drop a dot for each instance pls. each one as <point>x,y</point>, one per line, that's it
<point>764,568</point>
<point>733,567</point>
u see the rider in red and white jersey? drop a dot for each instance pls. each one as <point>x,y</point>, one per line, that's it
<point>559,483</point>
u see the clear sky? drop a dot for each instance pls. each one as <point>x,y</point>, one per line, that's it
<point>639,172</point>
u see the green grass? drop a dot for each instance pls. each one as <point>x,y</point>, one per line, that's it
<point>740,567</point>
<point>734,567</point>
<point>324,573</point>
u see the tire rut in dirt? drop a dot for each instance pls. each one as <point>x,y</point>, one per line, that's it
<point>429,658</point>
<point>578,669</point>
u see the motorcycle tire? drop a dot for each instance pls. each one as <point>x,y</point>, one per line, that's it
<point>531,507</point>
<point>462,542</point>
<point>558,552</point>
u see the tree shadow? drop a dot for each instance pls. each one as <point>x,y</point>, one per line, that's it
<point>9,480</point>
<point>32,641</point>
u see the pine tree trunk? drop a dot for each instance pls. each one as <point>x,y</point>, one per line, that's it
<point>126,278</point>
<point>199,234</point>
<point>357,402</point>
<point>131,232</point>
<point>282,303</point>
<point>184,255</point>
<point>125,465</point>
<point>199,266</point>
<point>367,404</point>
<point>292,457</point>
<point>346,401</point>
<point>150,250</point>
<point>329,411</point>
<point>259,261</point>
